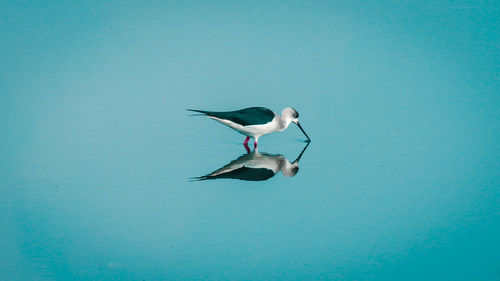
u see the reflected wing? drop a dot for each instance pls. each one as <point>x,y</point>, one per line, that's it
<point>243,173</point>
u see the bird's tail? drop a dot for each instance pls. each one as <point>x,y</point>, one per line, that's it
<point>200,112</point>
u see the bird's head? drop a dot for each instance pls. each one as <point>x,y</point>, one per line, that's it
<point>291,115</point>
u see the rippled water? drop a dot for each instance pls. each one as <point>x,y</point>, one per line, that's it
<point>100,161</point>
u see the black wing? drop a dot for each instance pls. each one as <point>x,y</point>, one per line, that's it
<point>244,117</point>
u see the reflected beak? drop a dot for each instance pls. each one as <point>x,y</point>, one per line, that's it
<point>300,127</point>
<point>301,153</point>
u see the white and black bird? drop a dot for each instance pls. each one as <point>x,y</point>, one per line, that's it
<point>255,122</point>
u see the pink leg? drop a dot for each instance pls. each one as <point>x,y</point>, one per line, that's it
<point>255,144</point>
<point>247,148</point>
<point>246,141</point>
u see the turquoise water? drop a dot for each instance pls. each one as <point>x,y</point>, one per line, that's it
<point>400,182</point>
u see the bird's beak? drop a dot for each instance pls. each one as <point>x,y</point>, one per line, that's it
<point>300,127</point>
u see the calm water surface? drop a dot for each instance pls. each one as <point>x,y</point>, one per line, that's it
<point>400,182</point>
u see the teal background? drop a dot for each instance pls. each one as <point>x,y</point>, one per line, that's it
<point>400,182</point>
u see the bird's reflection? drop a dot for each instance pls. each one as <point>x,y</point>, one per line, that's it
<point>256,166</point>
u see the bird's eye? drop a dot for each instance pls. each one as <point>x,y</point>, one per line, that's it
<point>296,115</point>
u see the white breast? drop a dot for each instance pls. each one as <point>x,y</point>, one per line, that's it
<point>254,131</point>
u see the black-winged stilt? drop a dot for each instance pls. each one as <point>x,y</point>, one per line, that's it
<point>255,122</point>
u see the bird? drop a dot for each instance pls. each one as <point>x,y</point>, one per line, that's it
<point>255,166</point>
<point>254,122</point>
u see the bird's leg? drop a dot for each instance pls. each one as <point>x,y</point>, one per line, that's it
<point>245,143</point>
<point>255,144</point>
<point>247,148</point>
